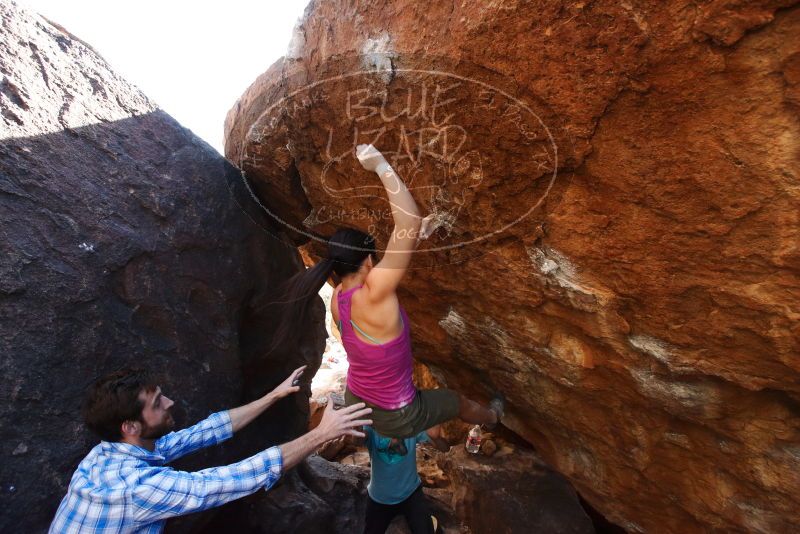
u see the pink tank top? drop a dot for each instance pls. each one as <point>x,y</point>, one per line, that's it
<point>379,374</point>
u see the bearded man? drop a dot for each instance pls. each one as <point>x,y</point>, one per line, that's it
<point>123,484</point>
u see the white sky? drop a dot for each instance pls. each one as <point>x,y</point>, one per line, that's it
<point>193,58</point>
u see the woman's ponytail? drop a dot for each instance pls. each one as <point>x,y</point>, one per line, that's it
<point>296,302</point>
<point>347,249</point>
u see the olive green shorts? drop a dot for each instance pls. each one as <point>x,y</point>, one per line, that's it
<point>429,408</point>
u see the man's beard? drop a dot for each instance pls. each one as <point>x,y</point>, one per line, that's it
<point>159,430</point>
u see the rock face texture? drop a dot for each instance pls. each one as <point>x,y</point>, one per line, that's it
<point>618,246</point>
<point>317,497</point>
<point>512,492</point>
<point>124,241</point>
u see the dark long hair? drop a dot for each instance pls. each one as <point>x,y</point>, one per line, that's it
<point>347,249</point>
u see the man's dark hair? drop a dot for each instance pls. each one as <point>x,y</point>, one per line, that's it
<point>114,399</point>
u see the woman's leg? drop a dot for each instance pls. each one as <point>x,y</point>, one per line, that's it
<point>435,435</point>
<point>378,516</point>
<point>437,406</point>
<point>473,413</point>
<point>417,512</point>
<point>432,407</point>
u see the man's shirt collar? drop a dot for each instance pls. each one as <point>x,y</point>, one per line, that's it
<point>116,448</point>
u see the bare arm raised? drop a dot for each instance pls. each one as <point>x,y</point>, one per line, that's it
<point>383,280</point>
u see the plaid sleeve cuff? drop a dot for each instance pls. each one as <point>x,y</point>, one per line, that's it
<point>273,464</point>
<point>221,426</point>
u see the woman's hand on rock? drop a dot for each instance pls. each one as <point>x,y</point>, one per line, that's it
<point>371,158</point>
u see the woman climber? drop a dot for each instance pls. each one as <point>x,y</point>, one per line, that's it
<point>374,326</point>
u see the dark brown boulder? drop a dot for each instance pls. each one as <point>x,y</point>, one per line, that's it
<point>319,497</point>
<point>124,240</point>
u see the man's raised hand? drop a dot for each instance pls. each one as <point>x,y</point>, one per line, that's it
<point>290,385</point>
<point>241,416</point>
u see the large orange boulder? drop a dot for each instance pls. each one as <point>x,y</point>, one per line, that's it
<point>615,186</point>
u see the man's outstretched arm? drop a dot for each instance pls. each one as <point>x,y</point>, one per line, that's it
<point>221,426</point>
<point>163,492</point>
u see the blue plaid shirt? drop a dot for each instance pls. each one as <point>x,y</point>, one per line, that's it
<point>124,488</point>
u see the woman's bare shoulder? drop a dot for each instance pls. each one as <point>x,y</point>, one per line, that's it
<point>334,301</point>
<point>379,314</point>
